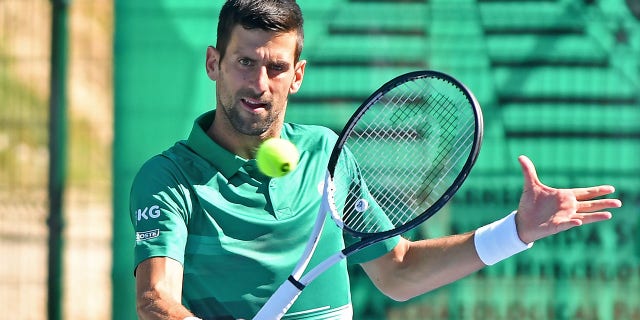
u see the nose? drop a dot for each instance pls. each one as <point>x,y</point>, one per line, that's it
<point>260,80</point>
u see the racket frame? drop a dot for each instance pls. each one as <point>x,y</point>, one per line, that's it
<point>368,239</point>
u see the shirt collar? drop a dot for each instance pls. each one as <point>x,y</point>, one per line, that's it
<point>226,162</point>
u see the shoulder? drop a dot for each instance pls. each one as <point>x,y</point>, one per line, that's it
<point>161,170</point>
<point>161,182</point>
<point>308,129</point>
<point>310,136</point>
<point>159,163</point>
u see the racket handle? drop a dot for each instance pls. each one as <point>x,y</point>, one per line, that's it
<point>280,301</point>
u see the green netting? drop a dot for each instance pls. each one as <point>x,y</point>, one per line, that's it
<point>380,17</point>
<point>559,83</point>
<point>370,49</point>
<point>532,48</point>
<point>540,16</point>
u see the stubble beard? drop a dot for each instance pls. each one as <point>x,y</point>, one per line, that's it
<point>250,125</point>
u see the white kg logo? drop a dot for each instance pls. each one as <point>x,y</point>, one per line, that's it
<point>153,212</point>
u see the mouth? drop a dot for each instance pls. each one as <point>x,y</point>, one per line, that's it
<point>254,104</point>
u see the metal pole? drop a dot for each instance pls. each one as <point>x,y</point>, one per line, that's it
<point>57,157</point>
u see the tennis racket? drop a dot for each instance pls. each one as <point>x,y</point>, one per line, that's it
<point>400,158</point>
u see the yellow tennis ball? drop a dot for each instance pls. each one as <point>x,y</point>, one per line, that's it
<point>277,157</point>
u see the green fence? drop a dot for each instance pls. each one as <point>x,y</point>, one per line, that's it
<point>55,69</point>
<point>558,81</point>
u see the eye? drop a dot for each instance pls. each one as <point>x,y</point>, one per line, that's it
<point>245,62</point>
<point>278,67</point>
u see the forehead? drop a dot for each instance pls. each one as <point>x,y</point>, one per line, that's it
<point>280,45</point>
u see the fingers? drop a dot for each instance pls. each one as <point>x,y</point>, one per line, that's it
<point>592,192</point>
<point>528,170</point>
<point>579,219</point>
<point>581,194</point>
<point>597,205</point>
<point>586,218</point>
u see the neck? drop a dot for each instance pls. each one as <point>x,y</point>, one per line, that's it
<point>245,146</point>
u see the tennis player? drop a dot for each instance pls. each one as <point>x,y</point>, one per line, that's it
<point>215,237</point>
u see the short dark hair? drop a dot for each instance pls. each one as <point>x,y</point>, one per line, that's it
<point>268,15</point>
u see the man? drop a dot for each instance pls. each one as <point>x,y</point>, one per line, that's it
<point>217,237</point>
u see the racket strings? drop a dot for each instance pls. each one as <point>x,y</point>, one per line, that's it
<point>449,163</point>
<point>420,194</point>
<point>400,135</point>
<point>387,196</point>
<point>407,146</point>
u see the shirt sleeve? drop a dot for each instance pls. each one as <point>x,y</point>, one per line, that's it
<point>351,189</point>
<point>159,211</point>
<point>371,252</point>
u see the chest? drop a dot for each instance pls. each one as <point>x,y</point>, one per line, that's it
<point>248,206</point>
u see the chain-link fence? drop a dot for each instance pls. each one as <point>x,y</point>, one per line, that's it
<point>25,67</point>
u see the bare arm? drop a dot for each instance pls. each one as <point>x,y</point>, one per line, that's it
<point>159,290</point>
<point>413,268</point>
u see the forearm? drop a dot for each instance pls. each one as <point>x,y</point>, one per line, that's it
<point>433,263</point>
<point>153,305</point>
<point>159,290</point>
<point>414,268</point>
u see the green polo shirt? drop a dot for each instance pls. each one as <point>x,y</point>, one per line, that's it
<point>237,232</point>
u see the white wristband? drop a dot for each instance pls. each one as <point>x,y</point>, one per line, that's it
<point>191,318</point>
<point>499,240</point>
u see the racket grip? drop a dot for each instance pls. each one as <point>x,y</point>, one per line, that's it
<point>280,301</point>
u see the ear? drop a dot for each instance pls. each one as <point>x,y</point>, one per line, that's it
<point>297,76</point>
<point>212,63</point>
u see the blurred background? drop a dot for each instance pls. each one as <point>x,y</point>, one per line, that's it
<point>90,89</point>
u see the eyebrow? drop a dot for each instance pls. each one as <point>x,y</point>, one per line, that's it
<point>280,63</point>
